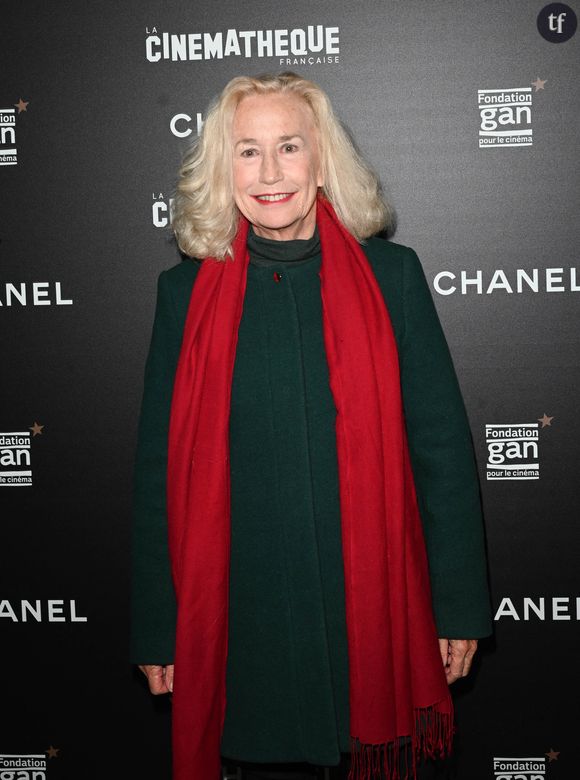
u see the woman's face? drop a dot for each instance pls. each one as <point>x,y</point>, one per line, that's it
<point>276,165</point>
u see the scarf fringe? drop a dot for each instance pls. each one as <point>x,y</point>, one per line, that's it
<point>397,760</point>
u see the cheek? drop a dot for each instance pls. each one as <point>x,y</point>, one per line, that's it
<point>243,201</point>
<point>242,179</point>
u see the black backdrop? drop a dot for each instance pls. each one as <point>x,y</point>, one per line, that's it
<point>92,132</point>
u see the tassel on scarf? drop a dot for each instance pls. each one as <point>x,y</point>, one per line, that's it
<point>397,760</point>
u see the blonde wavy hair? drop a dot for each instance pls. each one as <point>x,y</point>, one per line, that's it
<point>205,216</point>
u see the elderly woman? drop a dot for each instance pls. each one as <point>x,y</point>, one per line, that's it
<point>308,558</point>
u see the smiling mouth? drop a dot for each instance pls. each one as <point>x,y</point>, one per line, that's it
<point>278,197</point>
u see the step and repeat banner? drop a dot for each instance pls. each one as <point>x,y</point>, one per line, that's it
<point>469,113</point>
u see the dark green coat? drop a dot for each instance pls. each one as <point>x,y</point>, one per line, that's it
<point>287,670</point>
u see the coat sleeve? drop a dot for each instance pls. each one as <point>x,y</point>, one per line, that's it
<point>153,604</point>
<point>444,466</point>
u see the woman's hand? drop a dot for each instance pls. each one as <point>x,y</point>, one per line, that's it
<point>160,678</point>
<point>457,655</point>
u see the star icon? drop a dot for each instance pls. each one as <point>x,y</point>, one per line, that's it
<point>36,428</point>
<point>539,84</point>
<point>52,752</point>
<point>545,420</point>
<point>552,755</point>
<point>21,105</point>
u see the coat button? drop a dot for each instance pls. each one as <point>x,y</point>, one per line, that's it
<point>277,276</point>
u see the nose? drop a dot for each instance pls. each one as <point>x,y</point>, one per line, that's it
<point>270,168</point>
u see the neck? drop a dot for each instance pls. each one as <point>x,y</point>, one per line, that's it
<point>267,251</point>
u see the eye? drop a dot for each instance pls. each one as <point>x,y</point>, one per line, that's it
<point>290,148</point>
<point>248,153</point>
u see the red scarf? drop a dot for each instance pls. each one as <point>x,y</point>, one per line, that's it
<point>397,685</point>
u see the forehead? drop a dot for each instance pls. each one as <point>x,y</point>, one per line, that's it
<point>275,114</point>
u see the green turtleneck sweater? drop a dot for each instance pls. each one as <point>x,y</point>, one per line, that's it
<point>287,666</point>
